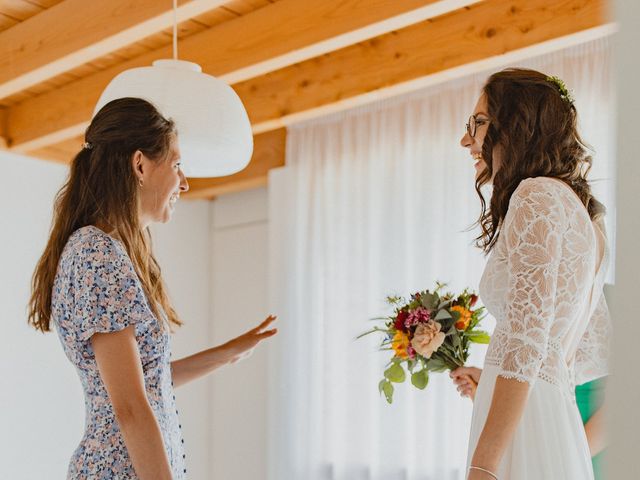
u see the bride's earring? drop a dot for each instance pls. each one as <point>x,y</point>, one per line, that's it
<point>141,183</point>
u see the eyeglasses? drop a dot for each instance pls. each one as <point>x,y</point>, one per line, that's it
<point>474,122</point>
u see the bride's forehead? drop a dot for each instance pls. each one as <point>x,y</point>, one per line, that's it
<point>481,104</point>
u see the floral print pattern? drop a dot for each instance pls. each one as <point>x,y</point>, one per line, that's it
<point>96,290</point>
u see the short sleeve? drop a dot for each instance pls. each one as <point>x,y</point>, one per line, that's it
<point>107,293</point>
<point>533,231</point>
<point>592,356</point>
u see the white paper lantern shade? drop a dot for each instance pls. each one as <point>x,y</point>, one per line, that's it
<point>214,132</point>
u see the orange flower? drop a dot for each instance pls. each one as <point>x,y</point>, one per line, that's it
<point>399,343</point>
<point>465,317</point>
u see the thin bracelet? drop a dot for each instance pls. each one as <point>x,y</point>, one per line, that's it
<point>472,467</point>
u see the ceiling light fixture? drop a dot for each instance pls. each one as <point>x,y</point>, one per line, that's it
<point>213,127</point>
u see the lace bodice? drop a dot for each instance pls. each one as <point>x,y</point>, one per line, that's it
<point>543,283</point>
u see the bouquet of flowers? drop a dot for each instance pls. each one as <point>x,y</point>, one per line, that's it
<point>429,333</point>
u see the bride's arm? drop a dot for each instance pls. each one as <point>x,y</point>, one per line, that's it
<point>509,400</point>
<point>202,363</point>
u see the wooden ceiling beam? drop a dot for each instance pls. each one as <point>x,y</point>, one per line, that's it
<point>62,152</point>
<point>406,59</point>
<point>253,44</point>
<point>3,128</point>
<point>75,32</point>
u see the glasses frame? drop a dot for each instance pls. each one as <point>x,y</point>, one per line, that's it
<point>472,125</point>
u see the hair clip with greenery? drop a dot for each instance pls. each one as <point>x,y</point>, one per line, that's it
<point>565,93</point>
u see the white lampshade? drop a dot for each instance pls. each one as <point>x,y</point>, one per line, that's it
<point>214,132</point>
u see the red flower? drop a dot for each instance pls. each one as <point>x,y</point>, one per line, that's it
<point>474,299</point>
<point>399,322</point>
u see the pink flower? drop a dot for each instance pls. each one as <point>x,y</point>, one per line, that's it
<point>427,338</point>
<point>417,316</point>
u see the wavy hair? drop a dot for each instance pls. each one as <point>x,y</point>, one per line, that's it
<point>102,189</point>
<point>533,130</point>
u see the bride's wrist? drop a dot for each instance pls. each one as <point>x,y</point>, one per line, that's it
<point>485,456</point>
<point>478,471</point>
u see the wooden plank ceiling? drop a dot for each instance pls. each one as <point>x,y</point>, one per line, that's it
<point>287,59</point>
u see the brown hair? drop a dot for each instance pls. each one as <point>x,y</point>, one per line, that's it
<point>534,131</point>
<point>102,189</point>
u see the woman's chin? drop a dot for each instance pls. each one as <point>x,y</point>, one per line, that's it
<point>480,169</point>
<point>165,216</point>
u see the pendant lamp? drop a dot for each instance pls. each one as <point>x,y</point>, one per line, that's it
<point>214,132</point>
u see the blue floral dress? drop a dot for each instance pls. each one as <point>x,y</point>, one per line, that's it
<point>96,290</point>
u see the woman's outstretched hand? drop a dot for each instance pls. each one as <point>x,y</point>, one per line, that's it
<point>242,346</point>
<point>202,363</point>
<point>466,379</point>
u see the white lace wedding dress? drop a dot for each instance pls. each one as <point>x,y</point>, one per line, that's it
<point>543,283</point>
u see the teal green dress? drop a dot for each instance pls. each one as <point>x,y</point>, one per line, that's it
<point>589,397</point>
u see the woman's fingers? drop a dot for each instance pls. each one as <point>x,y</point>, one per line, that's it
<point>461,380</point>
<point>464,380</point>
<point>268,333</point>
<point>458,372</point>
<point>268,321</point>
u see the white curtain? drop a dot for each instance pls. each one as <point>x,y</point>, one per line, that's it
<point>372,202</point>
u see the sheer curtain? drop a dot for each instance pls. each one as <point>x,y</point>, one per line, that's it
<point>372,202</point>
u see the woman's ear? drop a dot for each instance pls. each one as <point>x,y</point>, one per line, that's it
<point>137,162</point>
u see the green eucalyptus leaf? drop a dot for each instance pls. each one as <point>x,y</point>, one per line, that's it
<point>436,365</point>
<point>446,324</point>
<point>443,315</point>
<point>420,379</point>
<point>395,373</point>
<point>385,387</point>
<point>430,300</point>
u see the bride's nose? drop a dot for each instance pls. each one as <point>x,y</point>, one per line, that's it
<point>466,140</point>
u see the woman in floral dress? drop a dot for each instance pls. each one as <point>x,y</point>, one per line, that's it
<point>99,284</point>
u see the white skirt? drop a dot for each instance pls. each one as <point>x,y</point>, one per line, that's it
<point>550,442</point>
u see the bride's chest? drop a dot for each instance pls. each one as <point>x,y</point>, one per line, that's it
<point>494,281</point>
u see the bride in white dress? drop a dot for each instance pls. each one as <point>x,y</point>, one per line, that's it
<point>543,282</point>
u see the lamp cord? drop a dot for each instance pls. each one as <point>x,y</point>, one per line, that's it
<point>175,29</point>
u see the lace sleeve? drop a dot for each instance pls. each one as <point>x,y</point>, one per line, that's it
<point>592,356</point>
<point>533,230</point>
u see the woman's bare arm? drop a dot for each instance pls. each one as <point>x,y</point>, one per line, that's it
<point>596,431</point>
<point>120,368</point>
<point>507,406</point>
<point>202,363</point>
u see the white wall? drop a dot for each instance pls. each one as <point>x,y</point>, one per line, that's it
<point>214,259</point>
<point>239,300</point>
<point>41,402</point>
<point>623,455</point>
<point>183,249</point>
